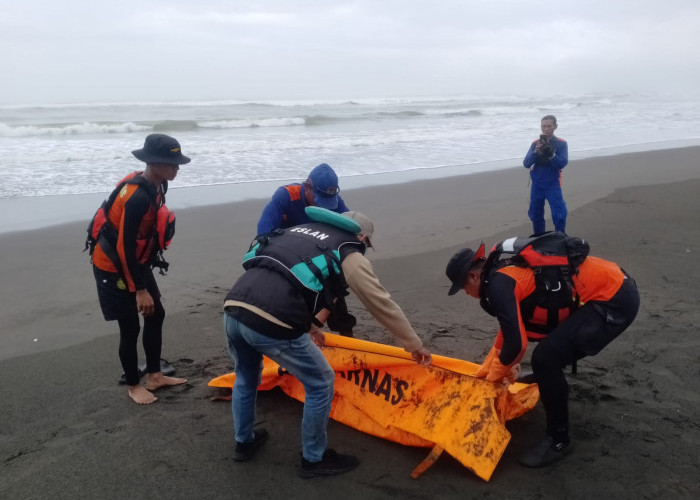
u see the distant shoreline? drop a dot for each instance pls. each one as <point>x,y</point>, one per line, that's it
<point>37,212</point>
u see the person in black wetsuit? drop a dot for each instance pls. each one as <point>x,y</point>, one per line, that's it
<point>126,286</point>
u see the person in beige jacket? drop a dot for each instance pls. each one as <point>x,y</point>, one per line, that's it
<point>278,307</point>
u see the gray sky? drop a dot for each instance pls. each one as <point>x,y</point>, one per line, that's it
<point>144,50</point>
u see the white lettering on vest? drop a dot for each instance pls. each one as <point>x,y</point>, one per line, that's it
<point>306,230</point>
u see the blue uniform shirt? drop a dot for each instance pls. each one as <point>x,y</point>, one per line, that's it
<point>547,171</point>
<point>287,209</point>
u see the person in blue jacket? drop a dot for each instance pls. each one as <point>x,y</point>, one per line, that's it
<point>286,208</point>
<point>546,158</point>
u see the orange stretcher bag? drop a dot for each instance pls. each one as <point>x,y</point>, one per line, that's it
<point>381,391</point>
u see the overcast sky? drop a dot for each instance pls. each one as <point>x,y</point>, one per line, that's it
<point>144,50</point>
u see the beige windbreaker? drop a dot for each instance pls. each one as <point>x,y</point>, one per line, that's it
<point>361,279</point>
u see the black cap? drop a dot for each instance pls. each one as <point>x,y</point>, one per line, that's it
<point>460,264</point>
<point>161,148</point>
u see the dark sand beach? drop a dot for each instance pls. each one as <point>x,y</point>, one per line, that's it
<point>68,430</point>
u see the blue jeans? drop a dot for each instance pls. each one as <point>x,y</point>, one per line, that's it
<point>300,357</point>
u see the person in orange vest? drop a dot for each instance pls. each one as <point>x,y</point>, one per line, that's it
<point>122,264</point>
<point>610,302</point>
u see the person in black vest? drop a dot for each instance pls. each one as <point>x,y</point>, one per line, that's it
<point>287,209</point>
<point>275,311</point>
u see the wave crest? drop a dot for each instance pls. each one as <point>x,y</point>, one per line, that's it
<point>70,129</point>
<point>252,123</point>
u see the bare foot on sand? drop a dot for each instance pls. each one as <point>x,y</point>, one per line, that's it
<point>141,395</point>
<point>157,380</point>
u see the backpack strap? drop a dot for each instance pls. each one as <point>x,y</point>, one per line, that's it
<point>553,293</point>
<point>107,239</point>
<point>334,285</point>
<point>492,265</point>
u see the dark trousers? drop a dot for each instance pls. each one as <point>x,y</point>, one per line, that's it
<point>585,333</point>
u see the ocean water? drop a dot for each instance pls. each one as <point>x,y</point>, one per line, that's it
<point>86,148</point>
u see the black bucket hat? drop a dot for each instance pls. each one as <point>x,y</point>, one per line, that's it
<point>459,265</point>
<point>161,148</point>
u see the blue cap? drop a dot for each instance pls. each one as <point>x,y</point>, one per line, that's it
<point>325,186</point>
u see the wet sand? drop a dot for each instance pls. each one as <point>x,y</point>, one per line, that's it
<point>68,430</point>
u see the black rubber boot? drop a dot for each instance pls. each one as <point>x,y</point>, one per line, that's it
<point>546,452</point>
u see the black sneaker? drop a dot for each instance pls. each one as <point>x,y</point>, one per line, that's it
<point>245,451</point>
<point>331,464</point>
<point>545,453</point>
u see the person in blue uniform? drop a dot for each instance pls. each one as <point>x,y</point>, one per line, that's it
<point>287,209</point>
<point>546,158</point>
